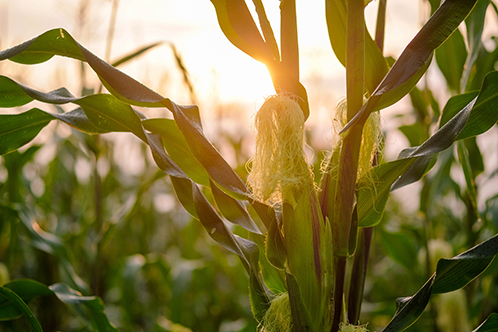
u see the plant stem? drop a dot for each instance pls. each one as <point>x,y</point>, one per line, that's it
<point>357,285</point>
<point>288,36</point>
<point>381,25</point>
<point>340,272</point>
<point>348,166</point>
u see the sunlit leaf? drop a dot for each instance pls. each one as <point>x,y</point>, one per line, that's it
<point>17,130</point>
<point>177,148</point>
<point>239,27</point>
<point>415,58</point>
<point>233,210</point>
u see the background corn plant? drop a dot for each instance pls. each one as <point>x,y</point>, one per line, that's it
<point>68,248</point>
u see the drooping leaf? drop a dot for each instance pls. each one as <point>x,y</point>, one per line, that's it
<point>484,114</point>
<point>463,116</point>
<point>451,274</point>
<point>17,130</point>
<point>99,319</point>
<point>409,309</point>
<point>489,325</point>
<point>27,290</point>
<point>415,58</point>
<point>129,91</point>
<point>13,298</point>
<point>233,210</point>
<point>177,148</point>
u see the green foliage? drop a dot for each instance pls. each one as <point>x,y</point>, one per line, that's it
<point>129,258</point>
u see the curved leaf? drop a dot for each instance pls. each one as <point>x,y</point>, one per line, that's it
<point>415,58</point>
<point>94,304</point>
<point>129,91</point>
<point>489,325</point>
<point>240,29</point>
<point>177,148</point>
<point>23,307</point>
<point>233,210</point>
<point>484,114</point>
<point>27,290</point>
<point>17,130</point>
<point>464,116</point>
<point>451,274</point>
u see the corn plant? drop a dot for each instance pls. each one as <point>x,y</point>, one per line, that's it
<point>293,233</point>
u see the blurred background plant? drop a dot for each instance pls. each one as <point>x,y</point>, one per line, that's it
<point>111,221</point>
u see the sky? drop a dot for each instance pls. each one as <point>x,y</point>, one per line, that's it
<point>220,72</point>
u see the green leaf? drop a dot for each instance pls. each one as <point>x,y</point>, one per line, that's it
<point>129,91</point>
<point>301,322</point>
<point>484,114</point>
<point>463,157</point>
<point>372,198</point>
<point>52,245</point>
<point>477,115</point>
<point>94,304</point>
<point>489,325</point>
<point>233,210</point>
<point>475,26</point>
<point>415,58</point>
<point>27,290</point>
<point>214,164</point>
<point>177,148</point>
<point>273,278</point>
<point>409,309</point>
<point>450,58</point>
<point>454,105</point>
<point>275,247</point>
<point>17,130</point>
<point>457,272</point>
<point>451,274</point>
<point>23,307</point>
<point>11,94</point>
<point>400,247</point>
